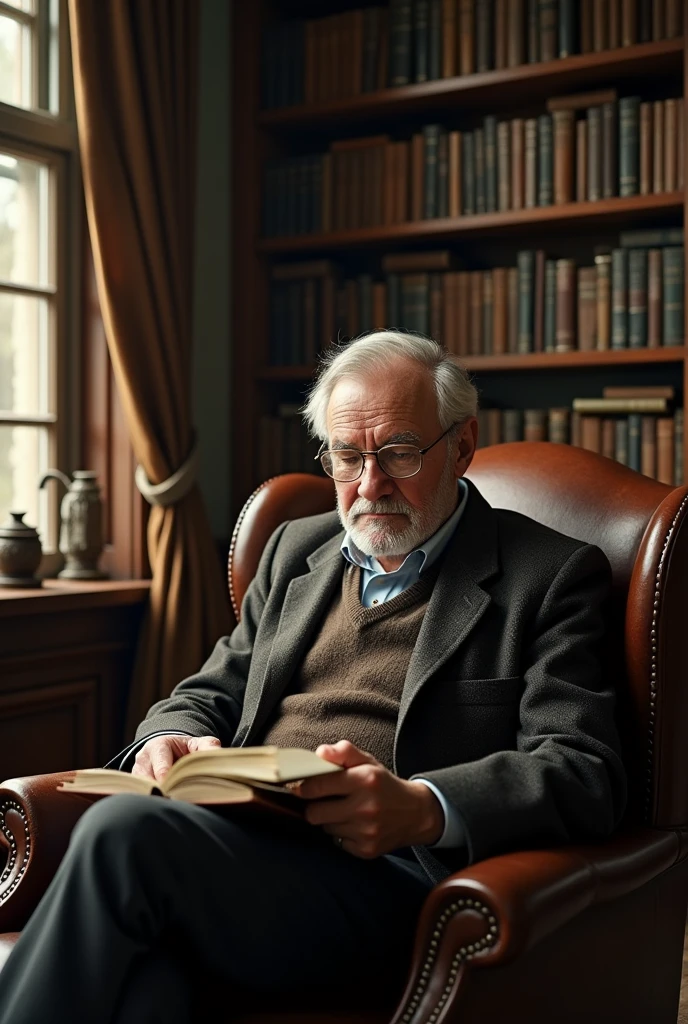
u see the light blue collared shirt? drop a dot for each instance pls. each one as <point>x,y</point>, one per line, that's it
<point>378,586</point>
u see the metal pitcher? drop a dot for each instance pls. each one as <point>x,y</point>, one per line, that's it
<point>81,532</point>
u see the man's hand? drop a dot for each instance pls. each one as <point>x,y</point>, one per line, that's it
<point>156,757</point>
<point>372,810</point>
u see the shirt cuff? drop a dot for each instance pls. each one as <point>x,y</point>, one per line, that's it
<point>127,761</point>
<point>454,832</point>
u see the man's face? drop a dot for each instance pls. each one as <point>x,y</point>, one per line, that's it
<point>388,517</point>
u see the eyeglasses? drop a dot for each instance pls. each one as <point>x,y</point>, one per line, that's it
<point>396,460</point>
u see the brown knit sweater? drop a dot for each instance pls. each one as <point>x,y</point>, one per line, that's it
<point>349,684</point>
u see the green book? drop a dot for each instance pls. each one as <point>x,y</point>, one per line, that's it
<point>634,441</point>
<point>435,41</point>
<point>678,448</point>
<point>525,262</point>
<point>672,294</point>
<point>650,239</point>
<point>550,318</point>
<point>484,35</point>
<point>545,161</point>
<point>619,298</point>
<point>468,172</point>
<point>629,146</point>
<point>415,302</point>
<point>431,138</point>
<point>490,140</point>
<point>637,298</point>
<point>421,40</point>
<point>610,140</point>
<point>400,42</point>
<point>568,44</point>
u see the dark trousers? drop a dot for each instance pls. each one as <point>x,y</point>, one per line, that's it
<point>153,894</point>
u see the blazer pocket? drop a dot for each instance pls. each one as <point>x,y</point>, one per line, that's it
<point>505,690</point>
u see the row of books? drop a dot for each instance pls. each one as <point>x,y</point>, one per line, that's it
<point>284,445</point>
<point>412,41</point>
<point>633,297</point>
<point>590,146</point>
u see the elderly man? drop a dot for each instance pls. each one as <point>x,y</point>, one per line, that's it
<point>444,653</point>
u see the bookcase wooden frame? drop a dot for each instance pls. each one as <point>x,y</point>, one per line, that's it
<point>254,133</point>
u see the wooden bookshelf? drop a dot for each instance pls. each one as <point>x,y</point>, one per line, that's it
<point>260,135</point>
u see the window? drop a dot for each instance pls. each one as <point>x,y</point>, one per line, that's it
<point>39,236</point>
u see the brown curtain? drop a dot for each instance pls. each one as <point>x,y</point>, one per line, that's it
<point>135,71</point>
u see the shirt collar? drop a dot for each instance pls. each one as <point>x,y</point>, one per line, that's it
<point>423,556</point>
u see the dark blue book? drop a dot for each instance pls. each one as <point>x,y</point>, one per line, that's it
<point>400,57</point>
<point>421,40</point>
<point>431,140</point>
<point>637,298</point>
<point>619,298</point>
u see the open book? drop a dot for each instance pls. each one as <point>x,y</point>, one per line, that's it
<point>222,775</point>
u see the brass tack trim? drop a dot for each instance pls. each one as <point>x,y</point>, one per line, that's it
<point>9,804</point>
<point>232,545</point>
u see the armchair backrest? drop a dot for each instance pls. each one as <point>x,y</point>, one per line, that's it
<point>641,527</point>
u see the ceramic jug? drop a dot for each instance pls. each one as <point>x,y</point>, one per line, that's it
<point>20,553</point>
<point>81,531</point>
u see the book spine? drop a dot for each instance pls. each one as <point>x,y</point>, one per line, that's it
<point>629,146</point>
<point>533,33</point>
<point>421,43</point>
<point>678,447</point>
<point>515,33</point>
<point>389,197</point>
<point>415,302</point>
<point>449,313</point>
<point>393,301</point>
<point>651,239</point>
<point>591,433</point>
<point>535,425</point>
<point>400,31</point>
<point>531,144</point>
<point>383,50</point>
<point>512,305</point>
<point>435,41</point>
<point>558,426</point>
<point>417,176</point>
<point>539,302</point>
<point>463,302</point>
<point>658,20</point>
<point>619,298</point>
<point>545,161</point>
<point>645,149</point>
<point>494,426</point>
<point>547,22</point>
<point>500,315</point>
<point>550,317</point>
<point>672,292</point>
<point>371,30</point>
<point>587,309</point>
<point>517,164</point>
<point>648,446</point>
<point>449,38</point>
<point>431,137</point>
<point>365,303</point>
<point>525,262</point>
<point>500,34</point>
<point>436,304</point>
<point>443,174</point>
<point>566,305</point>
<point>609,150</point>
<point>586,26</point>
<point>402,182</point>
<point>629,22</point>
<point>476,329</point>
<point>645,21</point>
<point>614,29</point>
<point>658,146</point>
<point>512,425</point>
<point>680,145</point>
<point>563,156</point>
<point>670,148</point>
<point>484,35</point>
<point>594,118</point>
<point>379,305</point>
<point>608,438</point>
<point>455,174</point>
<point>654,298</point>
<point>479,155</point>
<point>634,442</point>
<point>581,160</point>
<point>490,140</point>
<point>603,267</point>
<point>488,313</point>
<point>637,298</point>
<point>674,19</point>
<point>665,450</point>
<point>466,37</point>
<point>621,441</point>
<point>468,173</point>
<point>567,28</point>
<point>504,165</point>
<point>600,25</point>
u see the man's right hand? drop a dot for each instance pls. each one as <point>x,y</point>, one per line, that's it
<point>156,757</point>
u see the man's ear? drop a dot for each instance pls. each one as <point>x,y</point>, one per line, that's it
<point>468,441</point>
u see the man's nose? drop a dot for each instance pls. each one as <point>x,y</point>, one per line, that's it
<point>373,483</point>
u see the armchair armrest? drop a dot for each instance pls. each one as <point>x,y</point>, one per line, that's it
<point>35,825</point>
<point>492,912</point>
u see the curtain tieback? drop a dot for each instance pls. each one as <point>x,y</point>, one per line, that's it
<point>172,490</point>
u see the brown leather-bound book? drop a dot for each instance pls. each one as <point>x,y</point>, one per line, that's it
<point>531,180</point>
<point>645,149</point>
<point>512,309</point>
<point>648,446</point>
<point>449,38</point>
<point>603,291</point>
<point>517,164</point>
<point>680,145</point>
<point>614,37</point>
<point>576,429</point>
<point>665,450</point>
<point>558,425</point>
<point>488,313</point>
<point>340,190</point>
<point>654,298</point>
<point>591,433</point>
<point>383,52</point>
<point>548,29</point>
<point>500,34</point>
<point>389,183</point>
<point>658,146</point>
<point>463,313</point>
<point>608,438</point>
<point>309,63</point>
<point>674,19</point>
<point>418,262</point>
<point>476,345</point>
<point>417,176</point>
<point>594,118</point>
<point>600,25</point>
<point>436,307</point>
<point>563,156</point>
<point>658,20</point>
<point>581,100</point>
<point>500,310</point>
<point>379,305</point>
<point>378,184</point>
<point>402,182</point>
<point>356,82</point>
<point>504,165</point>
<point>326,210</point>
<point>539,301</point>
<point>587,309</point>
<point>515,54</point>
<point>455,172</point>
<point>566,306</point>
<point>581,160</point>
<point>586,20</point>
<point>629,22</point>
<point>641,391</point>
<point>466,37</point>
<point>494,426</point>
<point>670,147</point>
<point>449,318</point>
<point>535,425</point>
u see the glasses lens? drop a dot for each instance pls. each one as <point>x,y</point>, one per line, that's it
<point>342,465</point>
<point>399,460</point>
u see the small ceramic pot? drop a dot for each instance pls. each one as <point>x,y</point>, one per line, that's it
<point>20,553</point>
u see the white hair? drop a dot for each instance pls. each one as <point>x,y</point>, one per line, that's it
<point>457,397</point>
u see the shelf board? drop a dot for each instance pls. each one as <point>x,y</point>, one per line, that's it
<point>529,361</point>
<point>603,213</point>
<point>510,87</point>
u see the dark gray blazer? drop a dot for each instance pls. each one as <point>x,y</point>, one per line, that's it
<point>504,705</point>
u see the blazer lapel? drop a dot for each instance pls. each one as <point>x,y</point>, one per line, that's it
<point>305,601</point>
<point>458,601</point>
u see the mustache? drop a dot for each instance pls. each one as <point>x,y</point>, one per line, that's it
<point>364,507</point>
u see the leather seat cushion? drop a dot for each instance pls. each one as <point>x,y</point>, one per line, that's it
<point>7,942</point>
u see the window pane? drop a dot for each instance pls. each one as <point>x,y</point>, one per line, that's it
<point>15,63</point>
<point>25,363</point>
<point>23,5</point>
<point>25,255</point>
<point>24,455</point>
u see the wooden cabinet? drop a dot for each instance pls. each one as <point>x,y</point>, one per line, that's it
<point>66,657</point>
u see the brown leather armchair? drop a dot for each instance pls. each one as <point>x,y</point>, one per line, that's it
<point>592,932</point>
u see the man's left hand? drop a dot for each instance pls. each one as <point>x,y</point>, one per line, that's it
<point>371,810</point>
